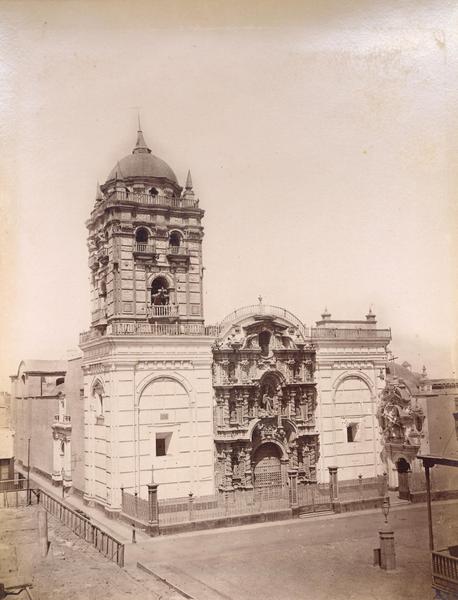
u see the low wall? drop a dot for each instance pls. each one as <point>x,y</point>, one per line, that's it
<point>354,505</point>
<point>416,497</point>
<point>230,521</point>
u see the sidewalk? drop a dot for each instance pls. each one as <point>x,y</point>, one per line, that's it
<point>116,527</point>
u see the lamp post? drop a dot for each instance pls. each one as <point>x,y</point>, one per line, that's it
<point>386,508</point>
<point>386,534</point>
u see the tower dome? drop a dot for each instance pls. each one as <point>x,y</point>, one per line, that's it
<point>141,165</point>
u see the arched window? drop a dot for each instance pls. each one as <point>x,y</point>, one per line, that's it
<point>160,292</point>
<point>175,239</point>
<point>141,235</point>
<point>98,393</point>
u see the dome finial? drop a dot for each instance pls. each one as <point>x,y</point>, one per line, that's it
<point>188,184</point>
<point>141,145</point>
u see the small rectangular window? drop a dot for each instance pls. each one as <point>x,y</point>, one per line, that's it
<point>163,443</point>
<point>351,432</point>
<point>160,447</point>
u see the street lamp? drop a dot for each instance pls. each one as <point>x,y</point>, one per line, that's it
<point>386,508</point>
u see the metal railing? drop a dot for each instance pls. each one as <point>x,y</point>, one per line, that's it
<point>362,489</point>
<point>18,498</point>
<point>106,544</point>
<point>444,569</point>
<point>7,485</point>
<point>134,506</point>
<point>241,502</point>
<point>314,497</point>
<point>150,200</point>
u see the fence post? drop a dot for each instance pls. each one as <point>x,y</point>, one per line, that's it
<point>360,484</point>
<point>190,505</point>
<point>292,474</point>
<point>333,484</point>
<point>153,509</point>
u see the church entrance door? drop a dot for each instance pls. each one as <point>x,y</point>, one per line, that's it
<point>267,467</point>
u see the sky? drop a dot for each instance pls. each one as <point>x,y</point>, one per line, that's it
<point>321,137</point>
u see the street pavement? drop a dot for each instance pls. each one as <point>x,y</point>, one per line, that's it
<point>329,557</point>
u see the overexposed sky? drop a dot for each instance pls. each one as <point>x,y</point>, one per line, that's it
<point>322,143</point>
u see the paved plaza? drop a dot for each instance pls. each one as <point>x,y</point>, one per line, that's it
<point>327,557</point>
<point>315,558</point>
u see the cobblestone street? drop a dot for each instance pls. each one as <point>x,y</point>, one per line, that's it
<point>73,570</point>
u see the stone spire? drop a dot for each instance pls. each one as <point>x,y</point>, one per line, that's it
<point>370,315</point>
<point>141,145</point>
<point>326,315</point>
<point>188,191</point>
<point>188,184</point>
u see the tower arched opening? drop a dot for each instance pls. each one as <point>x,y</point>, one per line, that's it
<point>160,294</point>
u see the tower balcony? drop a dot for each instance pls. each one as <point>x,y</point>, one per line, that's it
<point>62,422</point>
<point>144,249</point>
<point>162,310</point>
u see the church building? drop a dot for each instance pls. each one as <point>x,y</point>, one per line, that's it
<point>256,401</point>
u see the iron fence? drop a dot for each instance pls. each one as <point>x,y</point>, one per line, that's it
<point>7,485</point>
<point>16,498</point>
<point>362,489</point>
<point>106,544</point>
<point>314,497</point>
<point>224,504</point>
<point>134,506</point>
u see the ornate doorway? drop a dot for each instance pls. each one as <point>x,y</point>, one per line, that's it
<point>267,467</point>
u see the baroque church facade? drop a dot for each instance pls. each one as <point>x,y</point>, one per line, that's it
<point>251,402</point>
<point>257,401</point>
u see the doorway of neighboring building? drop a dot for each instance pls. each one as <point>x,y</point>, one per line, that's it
<point>403,468</point>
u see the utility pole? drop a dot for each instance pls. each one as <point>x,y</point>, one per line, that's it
<point>28,471</point>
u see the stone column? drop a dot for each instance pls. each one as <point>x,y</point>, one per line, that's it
<point>153,509</point>
<point>248,471</point>
<point>387,550</point>
<point>292,403</point>
<point>284,471</point>
<point>333,484</point>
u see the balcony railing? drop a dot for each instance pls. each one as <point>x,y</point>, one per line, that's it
<point>62,419</point>
<point>445,571</point>
<point>143,248</point>
<point>335,333</point>
<point>178,250</point>
<point>148,199</point>
<point>164,329</point>
<point>162,310</point>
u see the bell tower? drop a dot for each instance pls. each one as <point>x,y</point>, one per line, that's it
<point>147,355</point>
<point>145,247</point>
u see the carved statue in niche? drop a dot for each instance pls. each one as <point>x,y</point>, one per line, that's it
<point>399,420</point>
